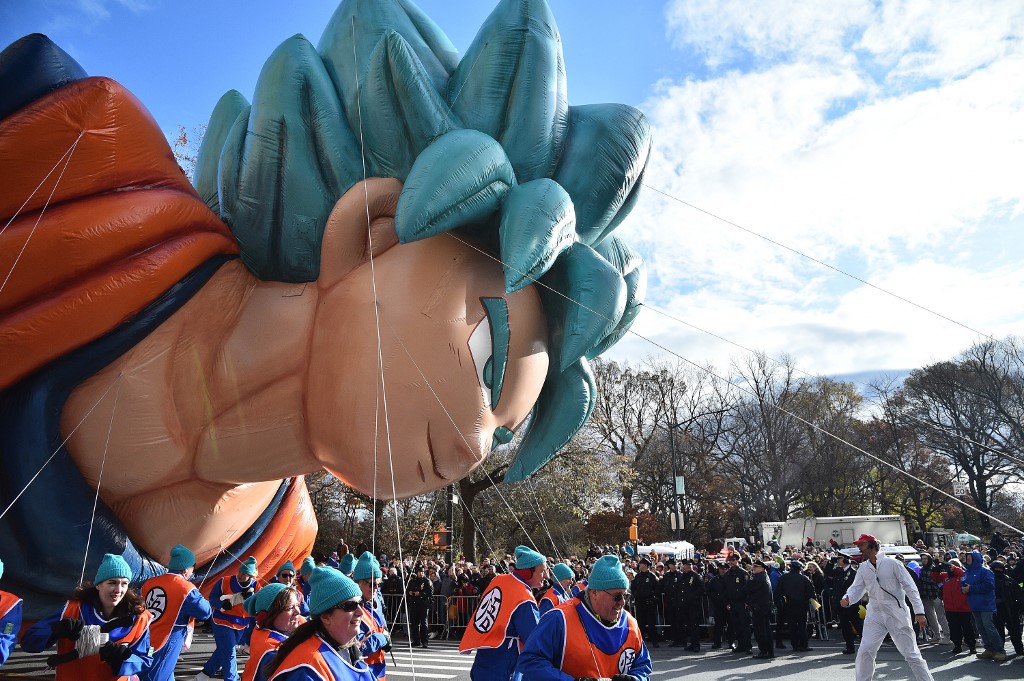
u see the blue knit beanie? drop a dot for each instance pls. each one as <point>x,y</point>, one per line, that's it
<point>563,571</point>
<point>307,566</point>
<point>347,564</point>
<point>607,574</point>
<point>288,565</point>
<point>367,567</point>
<point>112,567</point>
<point>249,567</point>
<point>527,558</point>
<point>264,598</point>
<point>181,559</point>
<point>328,588</point>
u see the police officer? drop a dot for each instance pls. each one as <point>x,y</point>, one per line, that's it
<point>418,592</point>
<point>670,593</point>
<point>646,589</point>
<point>691,596</point>
<point>794,597</point>
<point>719,610</point>
<point>841,580</point>
<point>734,588</point>
<point>759,599</point>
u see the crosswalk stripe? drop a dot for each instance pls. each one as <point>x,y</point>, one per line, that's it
<point>420,675</point>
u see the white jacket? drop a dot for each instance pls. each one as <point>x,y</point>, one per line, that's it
<point>887,584</point>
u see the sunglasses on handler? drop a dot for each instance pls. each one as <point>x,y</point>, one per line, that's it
<point>618,598</point>
<point>347,606</point>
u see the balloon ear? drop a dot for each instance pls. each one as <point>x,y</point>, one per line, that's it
<point>347,241</point>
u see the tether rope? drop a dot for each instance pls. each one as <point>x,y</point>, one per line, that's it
<point>714,375</point>
<point>779,362</point>
<point>60,446</point>
<point>69,153</point>
<point>383,394</point>
<point>99,483</point>
<point>22,206</point>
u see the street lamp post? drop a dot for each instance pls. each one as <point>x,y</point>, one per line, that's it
<point>678,488</point>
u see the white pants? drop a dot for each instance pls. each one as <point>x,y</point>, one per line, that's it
<point>896,622</point>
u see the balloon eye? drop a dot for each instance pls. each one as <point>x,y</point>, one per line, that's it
<point>489,372</point>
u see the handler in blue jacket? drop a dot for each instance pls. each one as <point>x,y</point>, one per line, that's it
<point>590,636</point>
<point>10,621</point>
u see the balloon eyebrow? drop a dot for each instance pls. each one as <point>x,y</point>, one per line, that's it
<point>497,319</point>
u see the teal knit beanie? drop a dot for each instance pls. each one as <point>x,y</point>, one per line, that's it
<point>607,574</point>
<point>527,558</point>
<point>347,564</point>
<point>288,565</point>
<point>328,588</point>
<point>307,566</point>
<point>264,598</point>
<point>249,567</point>
<point>367,567</point>
<point>112,567</point>
<point>563,571</point>
<point>181,559</point>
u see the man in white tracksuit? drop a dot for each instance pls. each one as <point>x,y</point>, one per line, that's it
<point>888,585</point>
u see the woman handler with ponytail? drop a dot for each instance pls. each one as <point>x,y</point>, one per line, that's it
<point>326,648</point>
<point>104,623</point>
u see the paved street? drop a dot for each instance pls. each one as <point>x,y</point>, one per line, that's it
<point>443,661</point>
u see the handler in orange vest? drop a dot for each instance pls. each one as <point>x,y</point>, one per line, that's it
<point>230,620</point>
<point>78,628</point>
<point>175,604</point>
<point>590,636</point>
<point>10,621</point>
<point>374,639</point>
<point>504,618</point>
<point>561,590</point>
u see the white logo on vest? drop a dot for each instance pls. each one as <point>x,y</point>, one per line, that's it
<point>626,660</point>
<point>487,612</point>
<point>156,602</point>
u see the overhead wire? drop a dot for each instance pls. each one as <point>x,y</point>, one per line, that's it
<point>713,374</point>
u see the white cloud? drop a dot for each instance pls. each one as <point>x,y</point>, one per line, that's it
<point>883,140</point>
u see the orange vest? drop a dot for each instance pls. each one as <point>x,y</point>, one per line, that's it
<point>316,656</point>
<point>262,642</point>
<point>493,613</point>
<point>92,668</point>
<point>164,595</point>
<point>7,602</point>
<point>235,617</point>
<point>553,597</point>
<point>581,658</point>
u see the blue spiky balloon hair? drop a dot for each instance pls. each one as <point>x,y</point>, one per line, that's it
<point>543,183</point>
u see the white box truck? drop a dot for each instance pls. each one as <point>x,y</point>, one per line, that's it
<point>889,529</point>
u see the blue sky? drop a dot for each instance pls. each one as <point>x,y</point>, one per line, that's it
<point>884,138</point>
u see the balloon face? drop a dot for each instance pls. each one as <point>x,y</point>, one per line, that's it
<point>448,335</point>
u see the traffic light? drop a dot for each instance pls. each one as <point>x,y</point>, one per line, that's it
<point>634,533</point>
<point>442,538</point>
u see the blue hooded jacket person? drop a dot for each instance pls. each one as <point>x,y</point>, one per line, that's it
<point>979,585</point>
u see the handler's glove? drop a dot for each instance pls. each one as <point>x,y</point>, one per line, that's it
<point>115,654</point>
<point>90,639</point>
<point>68,627</point>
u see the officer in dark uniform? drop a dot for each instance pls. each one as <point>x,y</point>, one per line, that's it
<point>670,594</point>
<point>419,593</point>
<point>840,580</point>
<point>759,600</point>
<point>691,596</point>
<point>646,590</point>
<point>794,595</point>
<point>735,599</point>
<point>716,597</point>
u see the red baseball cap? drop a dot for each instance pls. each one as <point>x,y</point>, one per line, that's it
<point>865,538</point>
